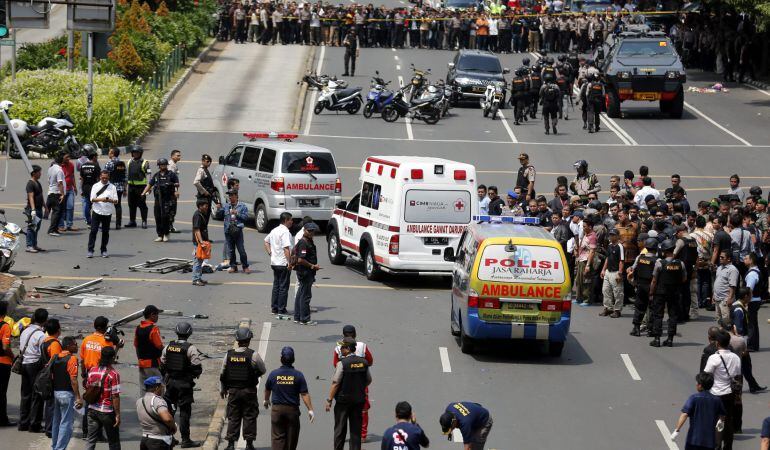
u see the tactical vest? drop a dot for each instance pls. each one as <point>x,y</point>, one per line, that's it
<point>207,182</point>
<point>239,372</point>
<point>549,73</point>
<point>90,175</point>
<point>519,86</point>
<point>523,182</point>
<point>594,92</point>
<point>745,316</point>
<point>644,268</point>
<point>137,174</point>
<point>61,378</point>
<point>669,277</point>
<point>144,347</point>
<point>177,362</point>
<point>613,258</point>
<point>551,94</point>
<point>535,82</point>
<point>353,385</point>
<point>164,188</point>
<point>690,256</point>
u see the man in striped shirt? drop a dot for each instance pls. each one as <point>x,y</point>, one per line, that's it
<point>105,413</point>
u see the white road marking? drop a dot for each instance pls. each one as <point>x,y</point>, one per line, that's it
<point>444,354</point>
<point>264,339</point>
<point>395,57</point>
<point>400,82</point>
<point>758,89</point>
<point>713,122</point>
<point>409,134</point>
<point>630,367</point>
<point>313,96</point>
<point>398,66</point>
<point>666,435</point>
<point>622,134</point>
<point>507,127</point>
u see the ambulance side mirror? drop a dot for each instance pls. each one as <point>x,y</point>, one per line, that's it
<point>449,254</point>
<point>342,204</point>
<point>221,159</point>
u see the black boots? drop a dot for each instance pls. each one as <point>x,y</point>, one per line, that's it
<point>655,342</point>
<point>635,331</point>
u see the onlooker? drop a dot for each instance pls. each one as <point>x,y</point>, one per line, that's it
<point>236,215</point>
<point>495,206</point>
<point>91,354</point>
<point>704,410</point>
<point>105,413</point>
<point>56,189</point>
<point>612,274</point>
<point>586,255</point>
<point>34,208</point>
<point>725,366</point>
<point>103,196</point>
<point>31,404</point>
<point>725,285</point>
<point>758,285</point>
<point>200,239</point>
<point>6,360</point>
<point>176,156</point>
<point>66,393</point>
<point>278,245</point>
<point>71,191</point>
<point>483,199</point>
<point>735,188</point>
<point>738,327</point>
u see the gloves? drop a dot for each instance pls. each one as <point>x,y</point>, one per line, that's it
<point>34,213</point>
<point>311,414</point>
<point>674,434</point>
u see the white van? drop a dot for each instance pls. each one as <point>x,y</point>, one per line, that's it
<point>408,211</point>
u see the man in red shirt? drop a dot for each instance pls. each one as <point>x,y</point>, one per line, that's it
<point>149,345</point>
<point>71,191</point>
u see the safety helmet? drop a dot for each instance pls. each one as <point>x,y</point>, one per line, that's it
<point>525,61</point>
<point>136,148</point>
<point>549,59</point>
<point>667,245</point>
<point>183,329</point>
<point>581,163</point>
<point>562,58</point>
<point>162,162</point>
<point>19,126</point>
<point>89,150</point>
<point>651,244</point>
<point>243,334</point>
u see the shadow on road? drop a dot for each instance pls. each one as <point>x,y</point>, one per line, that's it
<point>531,352</point>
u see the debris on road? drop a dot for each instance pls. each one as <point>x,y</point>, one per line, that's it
<point>162,265</point>
<point>99,300</point>
<point>68,290</point>
<point>713,89</point>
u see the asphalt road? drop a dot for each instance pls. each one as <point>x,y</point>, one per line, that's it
<point>588,398</point>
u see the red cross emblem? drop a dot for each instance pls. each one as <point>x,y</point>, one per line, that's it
<point>459,205</point>
<point>309,160</point>
<point>224,179</point>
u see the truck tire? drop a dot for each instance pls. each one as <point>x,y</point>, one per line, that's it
<point>613,105</point>
<point>334,249</point>
<point>676,107</point>
<point>555,348</point>
<point>371,270</point>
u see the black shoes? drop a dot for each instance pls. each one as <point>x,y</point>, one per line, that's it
<point>758,389</point>
<point>635,332</point>
<point>554,130</point>
<point>668,342</point>
<point>189,444</point>
<point>130,225</point>
<point>655,342</point>
<point>144,224</point>
<point>230,445</point>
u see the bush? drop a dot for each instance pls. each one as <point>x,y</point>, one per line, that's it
<point>44,55</point>
<point>40,93</point>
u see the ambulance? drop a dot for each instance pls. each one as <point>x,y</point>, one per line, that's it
<point>408,210</point>
<point>510,281</point>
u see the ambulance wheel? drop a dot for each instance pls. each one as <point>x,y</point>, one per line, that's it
<point>555,348</point>
<point>371,270</point>
<point>335,251</point>
<point>467,345</point>
<point>260,218</point>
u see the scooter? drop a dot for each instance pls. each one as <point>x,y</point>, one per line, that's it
<point>378,96</point>
<point>9,242</point>
<point>419,109</point>
<point>335,99</point>
<point>418,82</point>
<point>491,101</point>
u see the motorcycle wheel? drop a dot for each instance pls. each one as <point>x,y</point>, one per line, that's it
<point>354,106</point>
<point>3,262</point>
<point>319,107</point>
<point>14,154</point>
<point>431,118</point>
<point>493,112</point>
<point>389,114</point>
<point>368,109</point>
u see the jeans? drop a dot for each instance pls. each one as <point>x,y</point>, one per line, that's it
<point>304,295</point>
<point>32,229</point>
<point>67,215</point>
<point>235,241</point>
<point>280,295</point>
<point>63,419</point>
<point>752,340</point>
<point>704,287</point>
<point>103,222</point>
<point>197,268</point>
<point>86,200</point>
<point>55,206</point>
<point>97,421</point>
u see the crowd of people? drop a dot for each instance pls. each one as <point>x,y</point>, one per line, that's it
<point>648,247</point>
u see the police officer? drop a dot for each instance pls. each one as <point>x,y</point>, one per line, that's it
<point>117,170</point>
<point>550,97</point>
<point>204,183</point>
<point>351,377</point>
<point>286,385</point>
<point>641,273</point>
<point>89,175</point>
<point>667,275</point>
<point>166,190</point>
<point>686,250</point>
<point>181,364</point>
<point>535,83</point>
<point>519,92</point>
<point>473,421</point>
<point>138,171</point>
<point>238,379</point>
<point>592,99</point>
<point>362,350</point>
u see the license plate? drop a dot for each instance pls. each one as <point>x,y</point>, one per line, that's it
<point>646,96</point>
<point>436,241</point>
<point>309,202</point>
<point>519,306</point>
<point>9,236</point>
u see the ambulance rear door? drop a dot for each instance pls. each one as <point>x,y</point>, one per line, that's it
<point>311,180</point>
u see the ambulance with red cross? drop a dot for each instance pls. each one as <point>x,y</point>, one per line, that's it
<point>408,210</point>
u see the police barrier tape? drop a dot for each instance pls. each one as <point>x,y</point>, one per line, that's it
<point>509,16</point>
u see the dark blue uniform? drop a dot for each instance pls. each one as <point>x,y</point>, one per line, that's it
<point>404,436</point>
<point>286,384</point>
<point>473,421</point>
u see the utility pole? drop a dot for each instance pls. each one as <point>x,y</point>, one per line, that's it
<point>71,50</point>
<point>90,104</point>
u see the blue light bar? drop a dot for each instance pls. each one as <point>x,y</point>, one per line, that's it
<point>508,219</point>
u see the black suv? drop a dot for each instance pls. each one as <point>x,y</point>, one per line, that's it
<point>642,65</point>
<point>471,71</point>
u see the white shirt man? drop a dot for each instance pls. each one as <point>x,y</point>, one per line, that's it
<point>29,341</point>
<point>722,377</point>
<point>642,193</point>
<point>279,239</point>
<point>55,179</point>
<point>278,244</point>
<point>107,197</point>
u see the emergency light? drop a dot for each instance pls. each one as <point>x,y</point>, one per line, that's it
<point>270,135</point>
<point>507,219</point>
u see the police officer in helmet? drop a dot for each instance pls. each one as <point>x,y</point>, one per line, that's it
<point>181,364</point>
<point>641,273</point>
<point>165,185</point>
<point>239,379</point>
<point>667,275</point>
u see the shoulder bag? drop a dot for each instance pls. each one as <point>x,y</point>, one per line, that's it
<point>17,361</point>
<point>94,391</point>
<point>736,382</point>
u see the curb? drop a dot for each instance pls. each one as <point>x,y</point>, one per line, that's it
<point>181,81</point>
<point>757,84</point>
<point>16,294</point>
<point>302,98</point>
<point>213,436</point>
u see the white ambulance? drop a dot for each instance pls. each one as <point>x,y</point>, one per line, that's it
<point>409,209</point>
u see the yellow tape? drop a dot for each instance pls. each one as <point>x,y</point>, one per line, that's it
<point>510,16</point>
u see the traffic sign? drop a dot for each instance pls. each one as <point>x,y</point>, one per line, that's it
<point>7,42</point>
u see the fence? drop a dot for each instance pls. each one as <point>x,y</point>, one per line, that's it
<point>161,78</point>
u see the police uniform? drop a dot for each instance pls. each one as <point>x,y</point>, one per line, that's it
<point>519,92</point>
<point>352,376</point>
<point>89,173</point>
<point>473,421</point>
<point>592,96</point>
<point>164,185</point>
<point>668,274</point>
<point>642,270</point>
<point>137,172</point>
<point>362,350</point>
<point>535,83</point>
<point>688,298</point>
<point>286,384</point>
<point>239,377</point>
<point>550,97</point>
<point>181,362</point>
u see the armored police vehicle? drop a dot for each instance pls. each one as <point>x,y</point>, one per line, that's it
<point>642,65</point>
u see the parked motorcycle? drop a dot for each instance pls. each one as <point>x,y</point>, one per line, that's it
<point>378,97</point>
<point>334,99</point>
<point>490,103</point>
<point>48,137</point>
<point>418,83</point>
<point>9,242</point>
<point>424,109</point>
<point>321,81</point>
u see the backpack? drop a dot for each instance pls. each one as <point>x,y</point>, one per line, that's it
<point>552,93</point>
<point>94,392</point>
<point>44,379</point>
<point>594,91</point>
<point>760,289</point>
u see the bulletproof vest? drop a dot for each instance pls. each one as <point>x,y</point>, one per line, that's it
<point>523,182</point>
<point>760,286</point>
<point>562,83</point>
<point>239,372</point>
<point>745,315</point>
<point>353,385</point>
<point>177,362</point>
<point>118,174</point>
<point>519,85</point>
<point>207,182</point>
<point>551,94</point>
<point>144,347</point>
<point>594,91</point>
<point>690,256</point>
<point>89,174</point>
<point>670,276</point>
<point>136,170</point>
<point>644,268</point>
<point>44,350</point>
<point>613,258</point>
<point>61,378</point>
<point>163,185</point>
<point>549,73</point>
<point>535,81</point>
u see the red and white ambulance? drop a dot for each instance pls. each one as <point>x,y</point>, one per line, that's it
<point>409,209</point>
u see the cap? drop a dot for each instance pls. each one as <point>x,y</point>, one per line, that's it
<point>312,226</point>
<point>287,354</point>
<point>150,309</point>
<point>513,194</point>
<point>762,201</point>
<point>153,381</point>
<point>614,232</point>
<point>348,330</point>
<point>667,245</point>
<point>523,156</point>
<point>578,213</point>
<point>574,198</point>
<point>446,422</point>
<point>348,342</point>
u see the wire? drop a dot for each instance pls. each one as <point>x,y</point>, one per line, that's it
<point>32,6</point>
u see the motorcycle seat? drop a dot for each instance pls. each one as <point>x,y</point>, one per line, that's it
<point>347,92</point>
<point>422,101</point>
<point>34,128</point>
